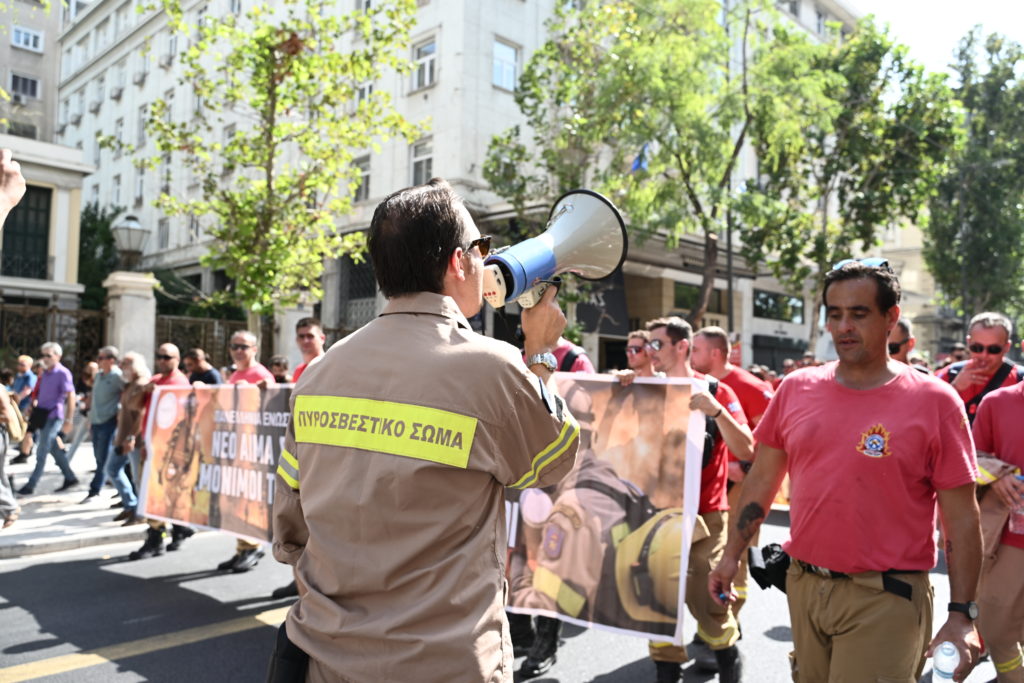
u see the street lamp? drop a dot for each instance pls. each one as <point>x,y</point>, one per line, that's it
<point>130,237</point>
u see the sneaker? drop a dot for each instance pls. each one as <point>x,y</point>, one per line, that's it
<point>289,591</point>
<point>543,653</point>
<point>68,484</point>
<point>178,535</point>
<point>247,559</point>
<point>153,546</point>
<point>701,654</point>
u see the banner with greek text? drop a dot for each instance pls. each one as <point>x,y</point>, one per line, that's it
<point>606,547</point>
<point>212,455</point>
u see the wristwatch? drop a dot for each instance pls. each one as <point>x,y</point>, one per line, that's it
<point>548,360</point>
<point>968,608</point>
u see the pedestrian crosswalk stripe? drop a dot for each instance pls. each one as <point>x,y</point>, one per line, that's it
<point>134,648</point>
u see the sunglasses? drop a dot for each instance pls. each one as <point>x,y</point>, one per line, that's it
<point>872,262</point>
<point>484,242</point>
<point>894,347</point>
<point>657,344</point>
<point>635,349</point>
<point>163,356</point>
<point>240,347</point>
<point>991,349</point>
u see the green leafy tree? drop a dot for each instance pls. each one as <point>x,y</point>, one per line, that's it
<point>876,163</point>
<point>975,240</point>
<point>653,103</point>
<point>280,110</point>
<point>97,252</point>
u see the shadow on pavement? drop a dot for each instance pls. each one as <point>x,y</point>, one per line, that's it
<point>123,608</point>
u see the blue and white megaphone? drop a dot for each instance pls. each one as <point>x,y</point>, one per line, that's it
<point>585,236</point>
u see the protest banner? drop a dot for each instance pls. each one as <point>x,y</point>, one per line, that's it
<point>606,547</point>
<point>212,456</point>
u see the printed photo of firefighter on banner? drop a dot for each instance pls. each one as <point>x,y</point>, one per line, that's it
<point>213,454</point>
<point>606,547</point>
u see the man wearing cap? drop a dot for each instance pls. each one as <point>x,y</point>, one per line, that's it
<point>871,446</point>
<point>988,340</point>
<point>390,495</point>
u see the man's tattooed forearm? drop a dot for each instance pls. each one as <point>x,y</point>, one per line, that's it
<point>750,521</point>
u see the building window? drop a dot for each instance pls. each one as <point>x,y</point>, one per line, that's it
<point>819,23</point>
<point>118,137</point>
<point>422,162</point>
<point>94,194</point>
<point>236,7</point>
<point>27,39</point>
<point>685,297</point>
<point>775,306</point>
<point>101,37</point>
<point>193,229</point>
<point>794,7</point>
<point>140,138</point>
<point>363,92</point>
<point>24,86</point>
<point>140,185</point>
<point>65,111</point>
<point>96,148</point>
<point>26,236</point>
<point>364,5</point>
<point>424,56</point>
<point>363,191</point>
<point>67,64</point>
<point>115,192</point>
<point>504,72</point>
<point>163,233</point>
<point>121,19</point>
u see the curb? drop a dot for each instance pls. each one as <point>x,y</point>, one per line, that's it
<point>41,546</point>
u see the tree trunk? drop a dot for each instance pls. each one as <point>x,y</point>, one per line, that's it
<point>707,283</point>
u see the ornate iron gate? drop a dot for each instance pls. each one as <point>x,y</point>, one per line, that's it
<point>209,334</point>
<point>24,328</point>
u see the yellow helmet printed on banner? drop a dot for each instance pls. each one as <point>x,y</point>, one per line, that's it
<point>647,568</point>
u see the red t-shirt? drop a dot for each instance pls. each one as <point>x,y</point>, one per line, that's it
<point>864,466</point>
<point>175,378</point>
<point>753,393</point>
<point>975,389</point>
<point>253,374</point>
<point>999,430</point>
<point>302,368</point>
<point>714,479</point>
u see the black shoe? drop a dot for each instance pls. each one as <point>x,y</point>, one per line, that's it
<point>227,564</point>
<point>247,559</point>
<point>153,546</point>
<point>116,505</point>
<point>543,653</point>
<point>133,520</point>
<point>88,498</point>
<point>178,535</point>
<point>125,514</point>
<point>289,591</point>
<point>520,627</point>
<point>667,672</point>
<point>18,459</point>
<point>730,665</point>
<point>702,656</point>
<point>25,490</point>
<point>68,484</point>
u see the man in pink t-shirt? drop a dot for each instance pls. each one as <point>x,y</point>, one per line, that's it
<point>870,446</point>
<point>999,436</point>
<point>244,347</point>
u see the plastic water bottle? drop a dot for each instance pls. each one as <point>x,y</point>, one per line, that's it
<point>1017,514</point>
<point>945,661</point>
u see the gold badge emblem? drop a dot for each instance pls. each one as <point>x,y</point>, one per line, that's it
<point>874,443</point>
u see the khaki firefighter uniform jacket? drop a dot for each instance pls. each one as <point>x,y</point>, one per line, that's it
<point>390,500</point>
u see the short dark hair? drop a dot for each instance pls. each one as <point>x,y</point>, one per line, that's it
<point>888,284</point>
<point>718,337</point>
<point>905,326</point>
<point>412,234</point>
<point>279,360</point>
<point>308,322</point>
<point>676,328</point>
<point>196,354</point>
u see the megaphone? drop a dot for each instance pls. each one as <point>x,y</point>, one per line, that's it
<point>585,236</point>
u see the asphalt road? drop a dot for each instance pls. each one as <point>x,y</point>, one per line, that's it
<point>90,616</point>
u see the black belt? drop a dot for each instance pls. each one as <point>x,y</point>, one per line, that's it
<point>889,582</point>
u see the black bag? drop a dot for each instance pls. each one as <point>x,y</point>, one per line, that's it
<point>37,419</point>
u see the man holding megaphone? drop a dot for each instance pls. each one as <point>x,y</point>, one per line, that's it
<point>389,500</point>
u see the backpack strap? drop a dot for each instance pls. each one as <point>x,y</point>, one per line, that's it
<point>569,358</point>
<point>997,381</point>
<point>710,426</point>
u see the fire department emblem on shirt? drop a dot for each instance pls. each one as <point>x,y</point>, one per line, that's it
<point>874,443</point>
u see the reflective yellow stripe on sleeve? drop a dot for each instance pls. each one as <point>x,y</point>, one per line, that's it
<point>551,453</point>
<point>288,468</point>
<point>386,427</point>
<point>568,599</point>
<point>984,476</point>
<point>1007,667</point>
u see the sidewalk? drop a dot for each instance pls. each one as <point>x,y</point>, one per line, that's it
<point>60,521</point>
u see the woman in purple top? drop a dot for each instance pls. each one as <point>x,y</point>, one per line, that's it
<point>56,398</point>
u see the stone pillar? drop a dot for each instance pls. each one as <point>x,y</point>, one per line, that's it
<point>284,333</point>
<point>131,325</point>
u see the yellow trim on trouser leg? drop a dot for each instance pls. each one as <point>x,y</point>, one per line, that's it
<point>1007,667</point>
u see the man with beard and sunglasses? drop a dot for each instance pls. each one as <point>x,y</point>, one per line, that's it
<point>988,340</point>
<point>901,342</point>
